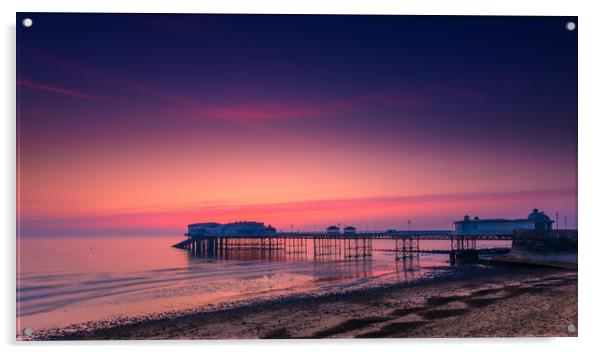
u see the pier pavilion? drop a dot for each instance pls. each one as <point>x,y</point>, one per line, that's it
<point>536,220</point>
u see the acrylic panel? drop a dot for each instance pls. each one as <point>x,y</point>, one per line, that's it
<point>205,176</point>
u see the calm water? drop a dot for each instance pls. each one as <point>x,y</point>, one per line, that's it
<point>76,280</point>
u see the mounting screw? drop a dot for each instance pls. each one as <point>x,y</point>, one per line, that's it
<point>27,331</point>
<point>27,22</point>
<point>571,328</point>
<point>571,26</point>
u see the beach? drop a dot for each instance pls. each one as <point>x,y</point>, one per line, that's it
<point>480,300</point>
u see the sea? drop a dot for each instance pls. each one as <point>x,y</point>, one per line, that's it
<point>80,282</point>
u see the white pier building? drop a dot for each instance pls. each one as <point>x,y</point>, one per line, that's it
<point>537,220</point>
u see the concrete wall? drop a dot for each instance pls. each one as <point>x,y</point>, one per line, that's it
<point>556,248</point>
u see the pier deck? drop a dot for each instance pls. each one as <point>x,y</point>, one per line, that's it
<point>375,235</point>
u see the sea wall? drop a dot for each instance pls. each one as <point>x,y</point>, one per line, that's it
<point>557,248</point>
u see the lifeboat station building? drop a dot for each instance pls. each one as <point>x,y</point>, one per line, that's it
<point>536,220</point>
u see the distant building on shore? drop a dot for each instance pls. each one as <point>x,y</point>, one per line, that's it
<point>349,230</point>
<point>333,230</point>
<point>537,220</point>
<point>235,228</point>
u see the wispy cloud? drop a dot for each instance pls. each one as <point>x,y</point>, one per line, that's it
<point>262,112</point>
<point>267,111</point>
<point>60,91</point>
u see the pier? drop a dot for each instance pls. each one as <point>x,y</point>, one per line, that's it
<point>325,245</point>
<point>244,238</point>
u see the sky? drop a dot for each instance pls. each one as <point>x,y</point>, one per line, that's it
<point>139,124</point>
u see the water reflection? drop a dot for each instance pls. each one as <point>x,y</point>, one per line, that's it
<point>249,254</point>
<point>408,267</point>
<point>342,269</point>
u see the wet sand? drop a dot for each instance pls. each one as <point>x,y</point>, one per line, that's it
<point>473,301</point>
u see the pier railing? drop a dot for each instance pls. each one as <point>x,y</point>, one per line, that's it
<point>422,234</point>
